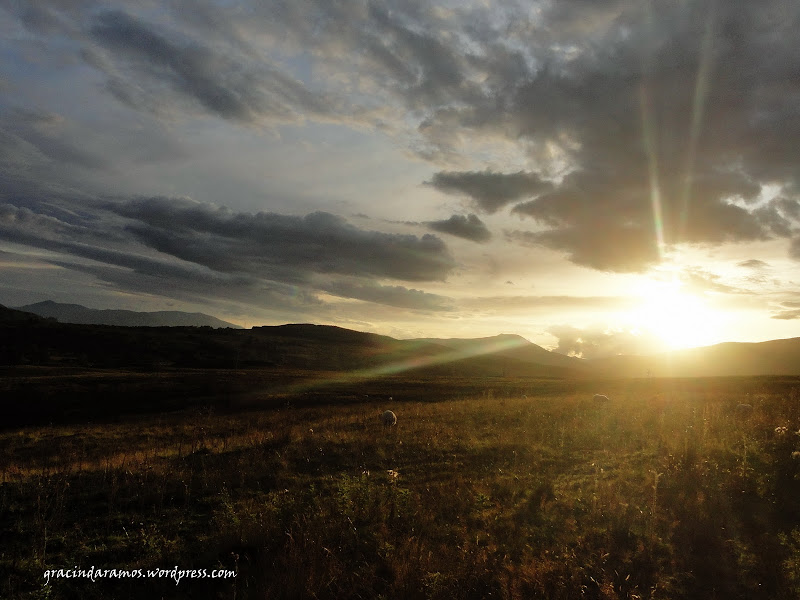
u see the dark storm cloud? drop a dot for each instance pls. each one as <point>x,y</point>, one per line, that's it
<point>177,246</point>
<point>469,227</point>
<point>670,117</point>
<point>24,226</point>
<point>606,247</point>
<point>650,121</point>
<point>778,215</point>
<point>606,221</point>
<point>789,208</point>
<point>490,191</point>
<point>319,242</point>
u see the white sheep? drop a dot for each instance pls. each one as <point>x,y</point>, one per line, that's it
<point>600,399</point>
<point>388,418</point>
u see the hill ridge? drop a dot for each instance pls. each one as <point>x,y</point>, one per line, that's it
<point>82,315</point>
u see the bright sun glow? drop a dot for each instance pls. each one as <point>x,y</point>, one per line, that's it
<point>680,319</point>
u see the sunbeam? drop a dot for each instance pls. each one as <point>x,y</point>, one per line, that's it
<point>698,110</point>
<point>649,135</point>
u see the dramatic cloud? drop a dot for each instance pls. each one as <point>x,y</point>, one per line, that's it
<point>179,240</point>
<point>668,120</point>
<point>615,134</point>
<point>606,247</point>
<point>282,245</point>
<point>468,227</point>
<point>490,191</point>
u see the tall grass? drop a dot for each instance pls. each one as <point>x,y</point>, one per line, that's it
<point>665,492</point>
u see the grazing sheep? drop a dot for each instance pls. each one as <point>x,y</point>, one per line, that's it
<point>600,399</point>
<point>388,418</point>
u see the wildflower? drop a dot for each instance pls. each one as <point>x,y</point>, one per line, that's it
<point>781,431</point>
<point>796,455</point>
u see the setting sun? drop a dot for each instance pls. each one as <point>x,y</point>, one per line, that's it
<point>680,319</point>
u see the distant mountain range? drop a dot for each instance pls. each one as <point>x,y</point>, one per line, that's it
<point>75,313</point>
<point>29,339</point>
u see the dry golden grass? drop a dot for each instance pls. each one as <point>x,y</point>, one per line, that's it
<point>665,492</point>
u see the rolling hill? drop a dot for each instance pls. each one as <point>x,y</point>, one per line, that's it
<point>75,313</point>
<point>774,357</point>
<point>509,346</point>
<point>30,339</point>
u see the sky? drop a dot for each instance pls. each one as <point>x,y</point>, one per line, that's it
<point>598,176</point>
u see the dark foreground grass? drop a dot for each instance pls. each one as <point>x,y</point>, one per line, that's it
<point>665,492</point>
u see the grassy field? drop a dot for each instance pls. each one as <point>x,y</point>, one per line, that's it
<point>665,492</point>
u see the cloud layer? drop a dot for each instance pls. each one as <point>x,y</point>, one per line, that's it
<point>656,124</point>
<point>469,227</point>
<point>665,121</point>
<point>609,133</point>
<point>490,191</point>
<point>174,240</point>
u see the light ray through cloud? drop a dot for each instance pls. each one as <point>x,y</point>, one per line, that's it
<point>651,148</point>
<point>702,83</point>
<point>380,165</point>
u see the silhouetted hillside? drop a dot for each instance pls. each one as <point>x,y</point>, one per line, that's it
<point>775,357</point>
<point>509,346</point>
<point>29,340</point>
<point>75,313</point>
<point>296,346</point>
<point>328,347</point>
<point>11,316</point>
